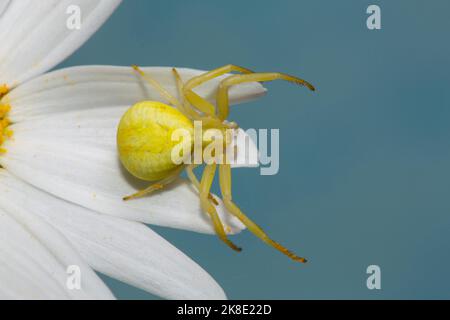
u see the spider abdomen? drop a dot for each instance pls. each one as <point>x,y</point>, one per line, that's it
<point>144,139</point>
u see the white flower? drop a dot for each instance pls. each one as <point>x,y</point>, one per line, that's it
<point>61,184</point>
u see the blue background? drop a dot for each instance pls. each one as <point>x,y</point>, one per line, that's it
<point>364,162</point>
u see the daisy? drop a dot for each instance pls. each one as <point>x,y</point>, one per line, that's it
<point>61,184</point>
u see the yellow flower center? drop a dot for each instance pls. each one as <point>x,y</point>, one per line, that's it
<point>5,131</point>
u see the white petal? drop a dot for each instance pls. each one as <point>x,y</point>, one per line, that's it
<point>93,178</point>
<point>34,258</point>
<point>125,250</point>
<point>65,143</point>
<point>35,35</point>
<point>93,87</point>
<point>3,5</point>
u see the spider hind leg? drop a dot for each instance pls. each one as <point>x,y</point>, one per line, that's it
<point>205,186</point>
<point>155,186</point>
<point>225,186</point>
<point>222,102</point>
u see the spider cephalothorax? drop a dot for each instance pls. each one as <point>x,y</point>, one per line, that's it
<point>145,141</point>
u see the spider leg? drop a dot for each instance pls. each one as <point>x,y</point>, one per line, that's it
<point>155,186</point>
<point>187,109</point>
<point>192,112</point>
<point>200,103</point>
<point>222,93</point>
<point>193,178</point>
<point>225,187</point>
<point>156,85</point>
<point>205,186</point>
<point>198,80</point>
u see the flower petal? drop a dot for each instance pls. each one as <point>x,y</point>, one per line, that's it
<point>93,178</point>
<point>64,143</point>
<point>34,258</point>
<point>125,250</point>
<point>93,87</point>
<point>3,5</point>
<point>35,35</point>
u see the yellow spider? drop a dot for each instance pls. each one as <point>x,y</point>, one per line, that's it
<point>145,143</point>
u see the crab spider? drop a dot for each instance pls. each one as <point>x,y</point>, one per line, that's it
<point>144,141</point>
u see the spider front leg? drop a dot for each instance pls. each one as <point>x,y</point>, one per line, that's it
<point>225,187</point>
<point>198,80</point>
<point>203,105</point>
<point>205,186</point>
<point>222,94</point>
<point>208,121</point>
